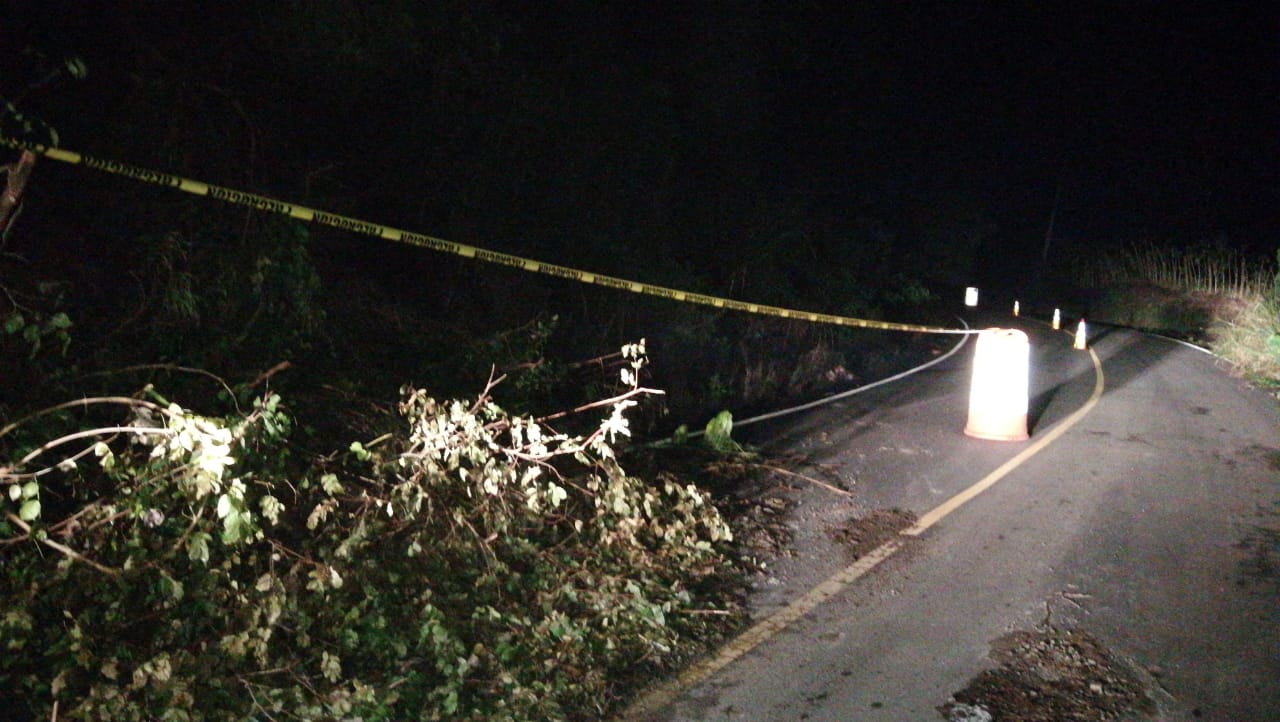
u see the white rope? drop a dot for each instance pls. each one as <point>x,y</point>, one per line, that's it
<point>851,392</point>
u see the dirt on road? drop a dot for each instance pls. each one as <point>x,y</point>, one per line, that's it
<point>1052,675</point>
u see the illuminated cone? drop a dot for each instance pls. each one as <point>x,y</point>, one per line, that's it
<point>1057,319</point>
<point>1080,336</point>
<point>998,394</point>
<point>1015,308</point>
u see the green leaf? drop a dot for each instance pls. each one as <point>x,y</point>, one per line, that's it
<point>718,434</point>
<point>58,322</point>
<point>556,494</point>
<point>30,510</point>
<point>31,334</point>
<point>172,588</point>
<point>76,67</point>
<point>361,453</point>
<point>14,323</point>
<point>106,458</point>
<point>330,484</point>
<point>450,702</point>
<point>235,526</point>
<point>680,436</point>
<point>198,547</point>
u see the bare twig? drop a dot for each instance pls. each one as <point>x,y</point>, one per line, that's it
<point>167,367</point>
<point>17,173</point>
<point>257,705</point>
<point>598,361</point>
<point>177,544</point>
<point>122,400</point>
<point>809,479</point>
<point>62,548</point>
<point>154,430</point>
<point>266,375</point>
<point>604,402</point>
<point>8,473</point>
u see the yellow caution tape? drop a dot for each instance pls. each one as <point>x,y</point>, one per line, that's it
<point>355,225</point>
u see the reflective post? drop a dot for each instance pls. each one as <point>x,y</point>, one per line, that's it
<point>1081,337</point>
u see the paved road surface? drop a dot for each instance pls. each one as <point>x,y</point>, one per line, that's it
<point>1153,523</point>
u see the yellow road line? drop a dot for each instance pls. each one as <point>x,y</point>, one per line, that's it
<point>664,694</point>
<point>955,502</point>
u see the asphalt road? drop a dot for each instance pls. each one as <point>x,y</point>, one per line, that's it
<point>1152,523</point>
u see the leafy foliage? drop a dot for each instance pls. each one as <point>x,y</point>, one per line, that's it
<point>471,565</point>
<point>35,328</point>
<point>474,562</point>
<point>719,434</point>
<point>212,290</point>
<point>35,335</point>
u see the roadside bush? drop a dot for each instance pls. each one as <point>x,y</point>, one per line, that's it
<point>470,565</point>
<point>34,339</point>
<point>233,293</point>
<point>1207,269</point>
<point>1249,335</point>
<point>1215,296</point>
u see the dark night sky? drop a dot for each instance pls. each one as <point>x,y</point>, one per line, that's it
<point>1151,119</point>
<point>1146,114</point>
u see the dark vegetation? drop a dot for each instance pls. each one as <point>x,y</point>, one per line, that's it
<point>225,498</point>
<point>262,500</point>
<point>588,156</point>
<point>1208,294</point>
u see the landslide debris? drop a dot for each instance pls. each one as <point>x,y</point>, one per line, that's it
<point>1051,675</point>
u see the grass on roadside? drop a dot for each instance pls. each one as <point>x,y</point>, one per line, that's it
<point>1214,296</point>
<point>1201,269</point>
<point>1249,337</point>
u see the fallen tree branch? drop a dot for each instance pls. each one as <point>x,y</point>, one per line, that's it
<point>17,173</point>
<point>122,400</point>
<point>152,430</point>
